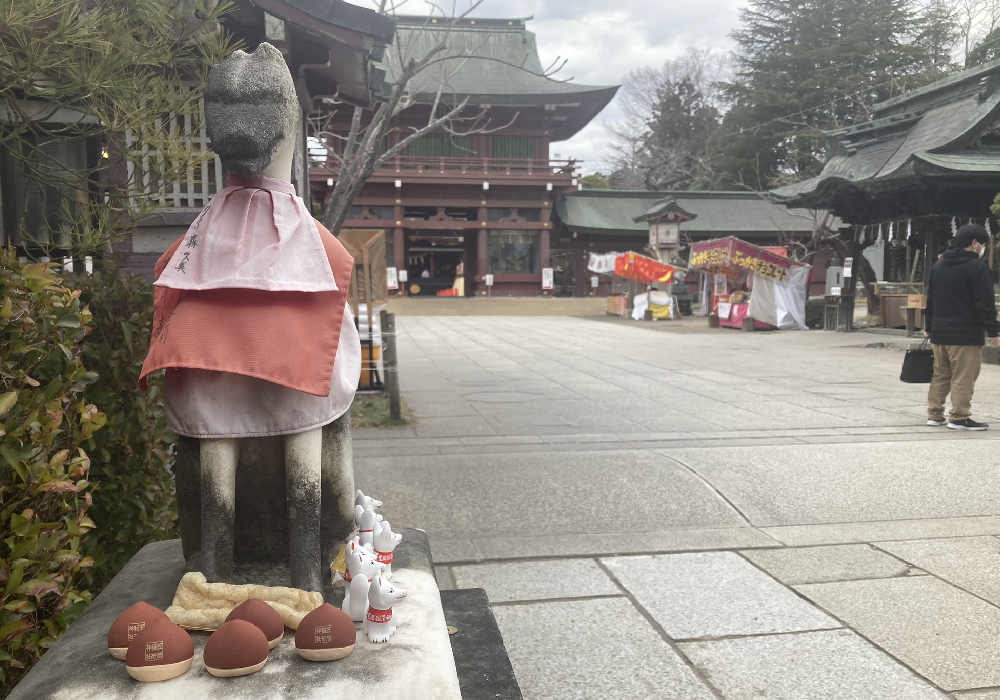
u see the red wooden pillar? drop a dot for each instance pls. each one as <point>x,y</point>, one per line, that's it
<point>482,245</point>
<point>483,255</point>
<point>544,255</point>
<point>544,249</point>
<point>399,255</point>
<point>399,243</point>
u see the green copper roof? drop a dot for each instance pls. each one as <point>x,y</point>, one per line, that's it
<point>964,162</point>
<point>492,64</point>
<point>891,155</point>
<point>961,84</point>
<point>718,213</point>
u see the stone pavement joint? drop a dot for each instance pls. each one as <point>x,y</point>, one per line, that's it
<point>656,626</point>
<point>774,496</point>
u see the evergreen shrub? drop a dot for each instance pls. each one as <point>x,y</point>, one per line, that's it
<point>85,476</point>
<point>45,491</point>
<point>134,499</point>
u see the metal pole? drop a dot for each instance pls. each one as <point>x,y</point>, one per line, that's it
<point>388,321</point>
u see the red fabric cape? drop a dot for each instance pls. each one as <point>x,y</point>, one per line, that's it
<point>288,338</point>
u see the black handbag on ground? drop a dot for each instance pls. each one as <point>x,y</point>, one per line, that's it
<point>918,365</point>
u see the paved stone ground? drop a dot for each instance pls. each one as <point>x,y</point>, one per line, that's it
<point>693,514</point>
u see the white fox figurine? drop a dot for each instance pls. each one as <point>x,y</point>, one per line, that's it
<point>361,569</point>
<point>385,541</point>
<point>366,501</point>
<point>365,520</point>
<point>359,514</point>
<point>380,620</point>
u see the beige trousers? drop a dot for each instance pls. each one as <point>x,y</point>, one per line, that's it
<point>956,368</point>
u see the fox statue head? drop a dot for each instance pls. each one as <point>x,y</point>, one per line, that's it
<point>382,594</point>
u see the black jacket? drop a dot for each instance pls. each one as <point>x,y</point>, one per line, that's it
<point>961,307</point>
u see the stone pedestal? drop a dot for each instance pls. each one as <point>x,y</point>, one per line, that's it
<point>416,664</point>
<point>261,533</point>
<point>484,669</point>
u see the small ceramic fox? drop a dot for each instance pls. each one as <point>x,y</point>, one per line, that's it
<point>380,620</point>
<point>364,520</point>
<point>362,567</point>
<point>385,542</point>
<point>366,501</point>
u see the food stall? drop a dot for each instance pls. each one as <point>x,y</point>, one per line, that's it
<point>744,280</point>
<point>641,276</point>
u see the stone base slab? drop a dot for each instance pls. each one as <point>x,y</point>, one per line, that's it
<point>416,664</point>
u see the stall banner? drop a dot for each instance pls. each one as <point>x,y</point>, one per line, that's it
<point>642,269</point>
<point>740,255</point>
<point>391,280</point>
<point>710,254</point>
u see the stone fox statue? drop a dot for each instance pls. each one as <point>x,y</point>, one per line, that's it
<point>251,321</point>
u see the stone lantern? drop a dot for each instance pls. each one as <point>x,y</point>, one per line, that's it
<point>665,219</point>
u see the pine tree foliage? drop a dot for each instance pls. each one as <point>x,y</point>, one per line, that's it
<point>803,66</point>
<point>116,73</point>
<point>940,34</point>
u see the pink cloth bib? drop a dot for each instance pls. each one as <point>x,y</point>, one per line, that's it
<point>254,234</point>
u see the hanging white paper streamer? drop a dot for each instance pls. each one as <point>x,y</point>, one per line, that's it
<point>890,230</point>
<point>988,231</point>
<point>954,227</point>
<point>909,229</point>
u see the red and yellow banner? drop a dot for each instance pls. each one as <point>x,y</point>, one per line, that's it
<point>642,269</point>
<point>731,256</point>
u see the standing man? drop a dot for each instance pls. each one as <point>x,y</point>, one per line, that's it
<point>961,309</point>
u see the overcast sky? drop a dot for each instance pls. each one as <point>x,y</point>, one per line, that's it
<point>605,39</point>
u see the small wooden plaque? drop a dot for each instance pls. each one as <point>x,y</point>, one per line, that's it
<point>916,301</point>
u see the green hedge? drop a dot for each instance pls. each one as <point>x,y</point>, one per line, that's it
<point>85,475</point>
<point>134,498</point>
<point>45,492</point>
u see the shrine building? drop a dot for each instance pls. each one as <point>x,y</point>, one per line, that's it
<point>928,162</point>
<point>479,204</point>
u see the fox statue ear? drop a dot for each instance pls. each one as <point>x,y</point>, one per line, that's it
<point>377,530</point>
<point>359,511</point>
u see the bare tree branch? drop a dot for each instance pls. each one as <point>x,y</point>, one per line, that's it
<point>431,126</point>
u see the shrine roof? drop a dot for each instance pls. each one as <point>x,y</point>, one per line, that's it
<point>330,45</point>
<point>931,131</point>
<point>495,62</point>
<point>962,84</point>
<point>663,207</point>
<point>718,213</point>
<point>347,16</point>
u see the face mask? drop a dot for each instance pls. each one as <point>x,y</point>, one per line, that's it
<point>982,250</point>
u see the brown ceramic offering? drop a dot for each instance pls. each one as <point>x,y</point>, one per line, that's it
<point>263,616</point>
<point>325,634</point>
<point>129,624</point>
<point>238,648</point>
<point>161,651</point>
